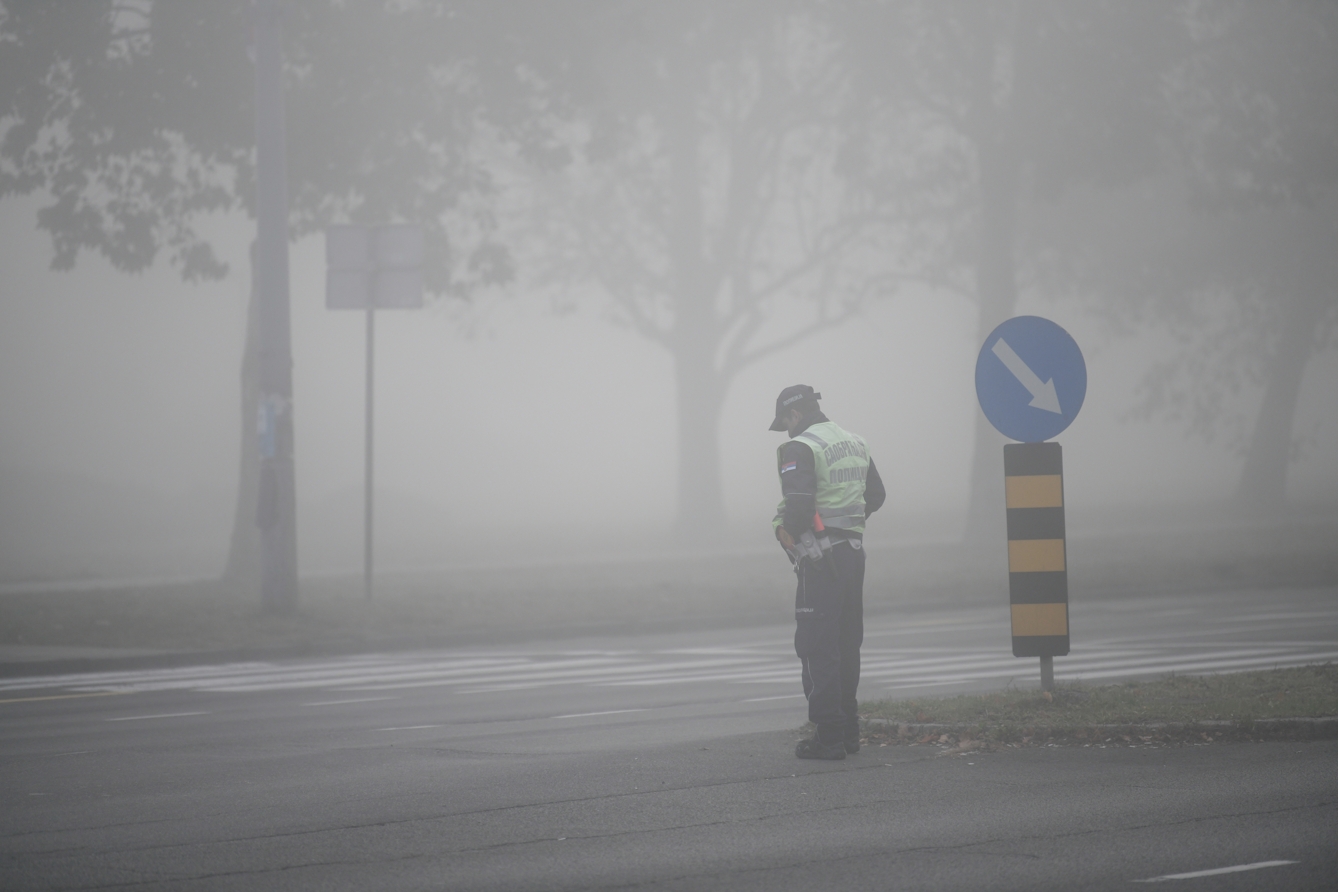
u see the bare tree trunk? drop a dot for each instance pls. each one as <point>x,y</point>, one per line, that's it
<point>701,507</point>
<point>696,333</point>
<point>995,138</point>
<point>996,298</point>
<point>242,572</point>
<point>1263,480</point>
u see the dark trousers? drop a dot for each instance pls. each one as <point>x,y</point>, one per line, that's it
<point>829,629</point>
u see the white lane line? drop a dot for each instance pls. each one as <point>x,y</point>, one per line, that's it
<point>1216,871</point>
<point>164,715</point>
<point>764,699</point>
<point>249,673</point>
<point>61,697</point>
<point>1298,615</point>
<point>553,669</point>
<point>411,728</point>
<point>73,680</point>
<point>185,673</point>
<point>583,715</point>
<point>929,671</point>
<point>1205,666</point>
<point>941,669</point>
<point>352,676</point>
<point>356,700</point>
<point>592,677</point>
<point>772,676</point>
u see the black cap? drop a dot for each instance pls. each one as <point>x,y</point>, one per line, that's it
<point>788,399</point>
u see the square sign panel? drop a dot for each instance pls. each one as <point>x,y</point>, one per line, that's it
<point>399,264</point>
<point>399,289</point>
<point>374,267</point>
<point>348,289</point>
<point>348,268</point>
<point>399,246</point>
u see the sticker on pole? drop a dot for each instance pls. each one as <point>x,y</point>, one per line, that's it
<point>1030,379</point>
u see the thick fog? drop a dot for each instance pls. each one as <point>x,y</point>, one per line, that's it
<point>120,444</point>
<point>526,424</point>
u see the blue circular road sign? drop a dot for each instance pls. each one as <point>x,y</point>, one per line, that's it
<point>1030,379</point>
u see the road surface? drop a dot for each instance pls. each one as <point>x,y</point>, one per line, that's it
<point>657,762</point>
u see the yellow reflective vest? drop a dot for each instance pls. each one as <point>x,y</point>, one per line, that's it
<point>841,462</point>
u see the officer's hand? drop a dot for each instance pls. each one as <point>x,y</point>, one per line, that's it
<point>785,538</point>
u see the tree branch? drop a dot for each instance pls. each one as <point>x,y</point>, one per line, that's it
<point>845,232</point>
<point>742,360</point>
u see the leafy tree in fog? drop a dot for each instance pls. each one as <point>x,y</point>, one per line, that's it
<point>735,175</point>
<point>746,157</point>
<point>1015,105</point>
<point>706,168</point>
<point>1231,248</point>
<point>133,121</point>
<point>1259,152</point>
<point>701,190</point>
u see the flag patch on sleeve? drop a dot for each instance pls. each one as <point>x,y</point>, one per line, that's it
<point>789,467</point>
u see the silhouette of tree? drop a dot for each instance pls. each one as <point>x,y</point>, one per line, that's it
<point>1230,249</point>
<point>997,111</point>
<point>702,191</point>
<point>134,120</point>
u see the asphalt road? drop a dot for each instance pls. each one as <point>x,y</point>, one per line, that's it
<point>659,762</point>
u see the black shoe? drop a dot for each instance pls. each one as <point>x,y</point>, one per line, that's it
<point>816,749</point>
<point>852,744</point>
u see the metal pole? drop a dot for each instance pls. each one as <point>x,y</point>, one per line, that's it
<point>1047,673</point>
<point>276,512</point>
<point>367,471</point>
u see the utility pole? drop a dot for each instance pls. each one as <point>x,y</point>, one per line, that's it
<point>276,510</point>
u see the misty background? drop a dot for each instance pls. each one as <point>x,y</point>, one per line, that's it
<point>534,415</point>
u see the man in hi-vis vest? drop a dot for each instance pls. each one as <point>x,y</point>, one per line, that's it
<point>828,487</point>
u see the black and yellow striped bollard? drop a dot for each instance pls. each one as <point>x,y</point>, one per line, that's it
<point>1038,588</point>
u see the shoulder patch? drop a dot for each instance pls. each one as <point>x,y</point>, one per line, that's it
<point>789,466</point>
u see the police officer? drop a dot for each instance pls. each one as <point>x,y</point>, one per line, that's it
<point>829,485</point>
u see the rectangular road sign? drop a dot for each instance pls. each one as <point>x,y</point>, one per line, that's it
<point>1038,589</point>
<point>374,267</point>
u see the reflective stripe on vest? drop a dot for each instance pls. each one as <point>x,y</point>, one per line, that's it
<point>808,435</point>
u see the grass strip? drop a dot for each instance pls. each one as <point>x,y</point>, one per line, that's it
<point>1291,703</point>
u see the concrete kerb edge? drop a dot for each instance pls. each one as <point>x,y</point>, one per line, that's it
<point>1309,728</point>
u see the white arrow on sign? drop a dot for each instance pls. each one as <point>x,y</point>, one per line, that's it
<point>1043,396</point>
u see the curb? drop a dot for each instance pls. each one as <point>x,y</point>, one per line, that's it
<point>1298,728</point>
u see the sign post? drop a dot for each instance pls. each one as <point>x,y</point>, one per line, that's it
<point>371,268</point>
<point>1031,381</point>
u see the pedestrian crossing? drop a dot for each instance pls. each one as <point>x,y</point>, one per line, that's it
<point>745,667</point>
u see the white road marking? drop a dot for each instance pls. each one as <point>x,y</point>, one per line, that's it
<point>163,715</point>
<point>583,715</point>
<point>343,702</point>
<point>1216,871</point>
<point>411,728</point>
<point>61,697</point>
<point>554,672</point>
<point>773,664</point>
<point>287,677</point>
<point>757,659</point>
<point>764,699</point>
